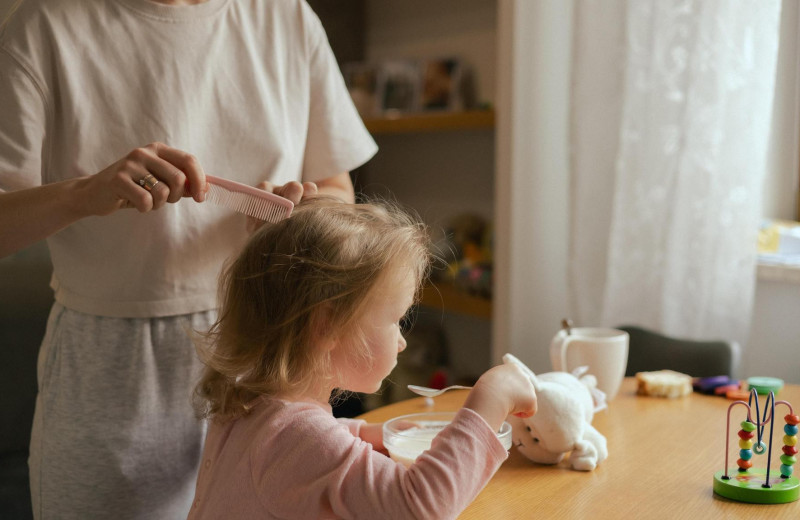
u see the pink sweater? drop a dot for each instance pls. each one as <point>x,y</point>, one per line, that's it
<point>295,460</point>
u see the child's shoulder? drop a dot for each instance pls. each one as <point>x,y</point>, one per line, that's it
<point>297,414</point>
<point>284,424</point>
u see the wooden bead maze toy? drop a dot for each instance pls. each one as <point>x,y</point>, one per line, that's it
<point>759,485</point>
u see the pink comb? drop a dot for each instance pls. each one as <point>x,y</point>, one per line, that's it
<point>245,199</point>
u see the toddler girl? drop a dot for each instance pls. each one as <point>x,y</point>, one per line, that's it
<point>311,307</point>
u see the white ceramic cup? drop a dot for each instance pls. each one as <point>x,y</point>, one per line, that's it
<point>604,351</point>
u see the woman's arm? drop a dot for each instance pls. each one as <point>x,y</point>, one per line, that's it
<point>30,215</point>
<point>27,216</point>
<point>340,186</point>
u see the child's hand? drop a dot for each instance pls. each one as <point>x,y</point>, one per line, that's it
<point>500,391</point>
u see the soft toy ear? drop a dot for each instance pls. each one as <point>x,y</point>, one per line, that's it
<point>510,359</point>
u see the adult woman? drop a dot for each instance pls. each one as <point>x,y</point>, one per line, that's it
<point>252,90</point>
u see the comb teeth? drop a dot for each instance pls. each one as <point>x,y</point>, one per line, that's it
<point>247,200</point>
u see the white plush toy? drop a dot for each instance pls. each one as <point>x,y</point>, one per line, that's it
<point>563,421</point>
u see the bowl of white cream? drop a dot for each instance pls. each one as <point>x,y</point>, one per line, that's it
<point>407,436</point>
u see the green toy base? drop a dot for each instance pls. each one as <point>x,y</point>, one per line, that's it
<point>746,487</point>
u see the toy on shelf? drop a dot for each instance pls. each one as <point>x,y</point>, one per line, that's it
<point>467,250</point>
<point>563,422</point>
<point>759,485</point>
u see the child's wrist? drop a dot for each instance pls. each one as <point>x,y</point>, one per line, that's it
<point>485,400</point>
<point>373,434</point>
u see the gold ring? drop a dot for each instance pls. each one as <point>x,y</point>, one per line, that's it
<point>148,182</point>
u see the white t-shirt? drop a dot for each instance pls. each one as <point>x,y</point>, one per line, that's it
<point>250,87</point>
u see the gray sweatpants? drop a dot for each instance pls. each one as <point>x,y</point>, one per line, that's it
<point>114,435</point>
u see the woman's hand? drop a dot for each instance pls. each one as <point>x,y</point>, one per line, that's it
<point>32,214</point>
<point>128,183</point>
<point>293,191</point>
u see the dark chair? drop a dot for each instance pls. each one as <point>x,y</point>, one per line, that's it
<point>25,301</point>
<point>651,350</point>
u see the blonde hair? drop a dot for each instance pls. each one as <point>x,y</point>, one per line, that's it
<point>310,272</point>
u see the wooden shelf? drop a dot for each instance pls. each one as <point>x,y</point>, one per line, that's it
<point>430,122</point>
<point>443,296</point>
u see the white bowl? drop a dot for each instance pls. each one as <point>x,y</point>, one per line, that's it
<point>407,436</point>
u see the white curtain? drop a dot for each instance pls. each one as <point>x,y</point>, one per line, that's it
<point>671,111</point>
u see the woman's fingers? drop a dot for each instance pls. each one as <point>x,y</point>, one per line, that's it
<point>130,188</point>
<point>310,189</point>
<point>296,192</point>
<point>159,191</point>
<point>291,190</point>
<point>147,178</point>
<point>180,170</point>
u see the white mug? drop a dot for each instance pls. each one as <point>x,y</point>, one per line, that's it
<point>604,351</point>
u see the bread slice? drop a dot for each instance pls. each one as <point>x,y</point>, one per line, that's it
<point>663,383</point>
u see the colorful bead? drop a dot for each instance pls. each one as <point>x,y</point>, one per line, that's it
<point>760,448</point>
<point>790,445</point>
<point>746,444</point>
<point>737,395</point>
<point>746,454</point>
<point>788,460</point>
<point>744,464</point>
<point>748,426</point>
<point>746,435</point>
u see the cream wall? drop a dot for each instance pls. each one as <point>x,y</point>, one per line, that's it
<point>774,346</point>
<point>781,184</point>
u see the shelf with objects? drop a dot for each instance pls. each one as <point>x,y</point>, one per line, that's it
<point>422,76</point>
<point>461,281</point>
<point>448,297</point>
<point>402,102</point>
<point>398,123</point>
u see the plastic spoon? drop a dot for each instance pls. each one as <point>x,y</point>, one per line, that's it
<point>433,392</point>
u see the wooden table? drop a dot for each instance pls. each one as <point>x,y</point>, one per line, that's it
<point>662,458</point>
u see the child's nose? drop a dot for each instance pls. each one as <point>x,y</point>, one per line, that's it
<point>401,345</point>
